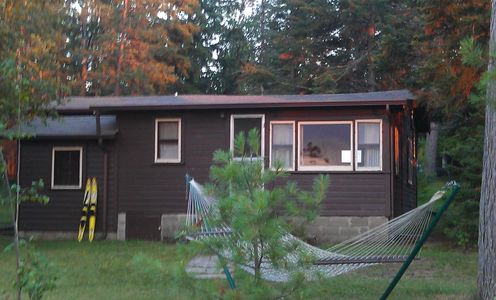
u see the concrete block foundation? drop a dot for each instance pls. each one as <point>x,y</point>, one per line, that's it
<point>170,225</point>
<point>121,226</point>
<point>334,229</point>
<point>324,229</point>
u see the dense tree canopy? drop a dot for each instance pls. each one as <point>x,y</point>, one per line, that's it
<point>128,47</point>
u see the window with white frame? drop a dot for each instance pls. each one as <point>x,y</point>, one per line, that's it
<point>67,167</point>
<point>245,123</point>
<point>282,144</point>
<point>168,140</point>
<point>325,146</point>
<point>368,154</point>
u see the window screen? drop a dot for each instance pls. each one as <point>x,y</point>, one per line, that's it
<point>245,124</point>
<point>66,168</point>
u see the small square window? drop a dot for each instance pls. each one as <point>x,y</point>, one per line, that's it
<point>282,144</point>
<point>168,140</point>
<point>67,163</point>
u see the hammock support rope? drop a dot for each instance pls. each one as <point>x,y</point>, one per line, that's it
<point>396,241</point>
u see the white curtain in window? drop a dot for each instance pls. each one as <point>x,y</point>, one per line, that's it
<point>168,130</point>
<point>369,144</point>
<point>369,133</point>
<point>371,157</point>
<point>282,144</point>
<point>168,151</point>
<point>282,134</point>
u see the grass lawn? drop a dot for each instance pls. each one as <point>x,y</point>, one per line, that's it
<point>141,270</point>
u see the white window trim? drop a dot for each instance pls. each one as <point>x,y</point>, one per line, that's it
<point>262,133</point>
<point>292,123</point>
<point>179,141</point>
<point>67,187</point>
<point>324,168</point>
<point>379,121</point>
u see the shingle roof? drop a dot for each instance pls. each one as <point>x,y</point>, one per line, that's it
<point>111,103</point>
<point>72,127</point>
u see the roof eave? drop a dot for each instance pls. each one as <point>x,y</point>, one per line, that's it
<point>70,137</point>
<point>241,106</point>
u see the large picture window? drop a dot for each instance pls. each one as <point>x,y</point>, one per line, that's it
<point>244,123</point>
<point>282,144</point>
<point>168,140</point>
<point>67,164</point>
<point>325,146</point>
<point>368,154</point>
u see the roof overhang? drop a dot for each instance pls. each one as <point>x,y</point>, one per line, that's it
<point>84,105</point>
<point>71,127</point>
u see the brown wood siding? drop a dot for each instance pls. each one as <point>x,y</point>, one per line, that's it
<point>158,188</point>
<point>410,191</point>
<point>154,188</point>
<point>351,194</point>
<point>62,213</point>
<point>139,186</point>
<point>400,178</point>
<point>405,194</point>
<point>112,178</point>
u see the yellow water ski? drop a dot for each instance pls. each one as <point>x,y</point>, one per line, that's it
<point>92,212</point>
<point>84,211</point>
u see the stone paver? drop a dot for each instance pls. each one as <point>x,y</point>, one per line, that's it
<point>206,267</point>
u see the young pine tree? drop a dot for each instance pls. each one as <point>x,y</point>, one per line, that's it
<point>255,203</point>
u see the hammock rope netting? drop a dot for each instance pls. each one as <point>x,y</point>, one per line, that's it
<point>390,242</point>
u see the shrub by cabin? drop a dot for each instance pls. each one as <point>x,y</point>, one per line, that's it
<point>140,148</point>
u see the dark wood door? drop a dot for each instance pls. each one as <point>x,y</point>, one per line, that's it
<point>140,226</point>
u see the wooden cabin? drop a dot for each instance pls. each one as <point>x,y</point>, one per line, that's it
<point>140,148</point>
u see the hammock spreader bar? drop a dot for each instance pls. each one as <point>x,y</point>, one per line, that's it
<point>361,260</point>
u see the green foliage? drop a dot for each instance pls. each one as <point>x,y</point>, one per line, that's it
<point>446,74</point>
<point>32,193</point>
<point>254,201</point>
<point>462,143</point>
<point>472,54</point>
<point>37,275</point>
<point>34,273</point>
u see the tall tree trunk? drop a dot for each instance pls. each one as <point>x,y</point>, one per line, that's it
<point>84,46</point>
<point>487,225</point>
<point>431,150</point>
<point>123,38</point>
<point>263,40</point>
<point>15,213</point>
<point>370,61</point>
